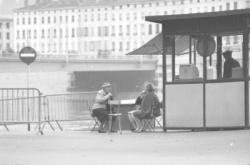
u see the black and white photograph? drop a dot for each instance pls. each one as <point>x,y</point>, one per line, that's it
<point>124,82</point>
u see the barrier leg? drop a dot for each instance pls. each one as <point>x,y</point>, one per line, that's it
<point>59,126</point>
<point>5,126</point>
<point>51,126</point>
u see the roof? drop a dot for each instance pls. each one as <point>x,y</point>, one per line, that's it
<point>6,19</point>
<point>232,21</point>
<point>81,3</point>
<point>154,46</point>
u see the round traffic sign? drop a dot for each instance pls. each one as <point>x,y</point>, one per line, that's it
<point>206,45</point>
<point>27,55</point>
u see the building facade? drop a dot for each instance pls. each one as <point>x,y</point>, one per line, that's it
<point>6,36</point>
<point>93,28</point>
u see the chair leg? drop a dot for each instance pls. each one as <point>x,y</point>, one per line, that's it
<point>119,124</point>
<point>110,124</point>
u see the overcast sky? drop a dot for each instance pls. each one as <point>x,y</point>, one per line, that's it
<point>7,6</point>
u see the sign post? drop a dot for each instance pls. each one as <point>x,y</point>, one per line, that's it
<point>28,55</point>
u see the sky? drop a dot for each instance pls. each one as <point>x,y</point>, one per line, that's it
<point>7,6</point>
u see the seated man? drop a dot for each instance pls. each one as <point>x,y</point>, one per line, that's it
<point>99,108</point>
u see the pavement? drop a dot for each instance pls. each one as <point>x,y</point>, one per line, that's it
<point>76,147</point>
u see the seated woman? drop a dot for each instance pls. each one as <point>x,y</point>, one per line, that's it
<point>99,108</point>
<point>131,117</point>
<point>149,99</point>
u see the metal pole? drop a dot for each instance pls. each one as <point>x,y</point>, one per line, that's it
<point>190,50</point>
<point>173,57</point>
<point>164,73</point>
<point>246,74</point>
<point>194,51</point>
<point>28,106</point>
<point>219,60</point>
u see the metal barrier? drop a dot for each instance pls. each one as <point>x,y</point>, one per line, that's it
<point>66,107</point>
<point>20,105</point>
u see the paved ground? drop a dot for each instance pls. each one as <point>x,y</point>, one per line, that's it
<point>91,148</point>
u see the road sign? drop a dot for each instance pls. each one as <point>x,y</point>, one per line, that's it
<point>206,45</point>
<point>27,55</point>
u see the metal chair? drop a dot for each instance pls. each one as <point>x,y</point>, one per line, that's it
<point>94,123</point>
<point>117,115</point>
<point>151,121</point>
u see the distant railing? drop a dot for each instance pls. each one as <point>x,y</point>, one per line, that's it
<point>70,57</point>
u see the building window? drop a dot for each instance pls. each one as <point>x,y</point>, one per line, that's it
<point>49,20</point>
<point>29,21</point>
<point>120,30</point>
<point>17,22</point>
<point>113,17</point>
<point>121,47</point>
<point>61,19</point>
<point>128,30</point>
<point>99,31</point>
<point>29,34</point>
<point>157,28</point>
<point>73,19</point>
<point>106,31</point>
<point>43,34</point>
<point>73,33</point>
<point>98,17</point>
<point>128,46</point>
<point>228,6</point>
<point>220,8</point>
<point>48,33</point>
<point>235,5</point>
<point>213,9</point>
<point>42,20</point>
<point>17,35</point>
<point>135,30</point>
<point>23,21</point>
<point>128,17</point>
<point>35,34</point>
<point>7,25</point>
<point>85,32</point>
<point>149,29</point>
<point>54,19</point>
<point>135,16</point>
<point>61,33</point>
<point>120,17</point>
<point>7,35</point>
<point>113,31</point>
<point>54,33</point>
<point>113,46</point>
<point>66,19</point>
<point>142,29</point>
<point>105,16</point>
<point>23,34</point>
<point>34,20</point>
<point>92,17</point>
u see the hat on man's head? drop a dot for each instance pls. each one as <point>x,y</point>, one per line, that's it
<point>227,53</point>
<point>106,84</point>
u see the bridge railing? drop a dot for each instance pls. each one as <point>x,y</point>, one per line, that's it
<point>67,57</point>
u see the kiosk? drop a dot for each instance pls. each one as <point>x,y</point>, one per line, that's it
<point>205,103</point>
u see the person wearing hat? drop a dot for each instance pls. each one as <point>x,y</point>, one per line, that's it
<point>229,64</point>
<point>99,108</point>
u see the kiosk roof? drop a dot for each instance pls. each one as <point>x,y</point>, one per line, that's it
<point>232,21</point>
